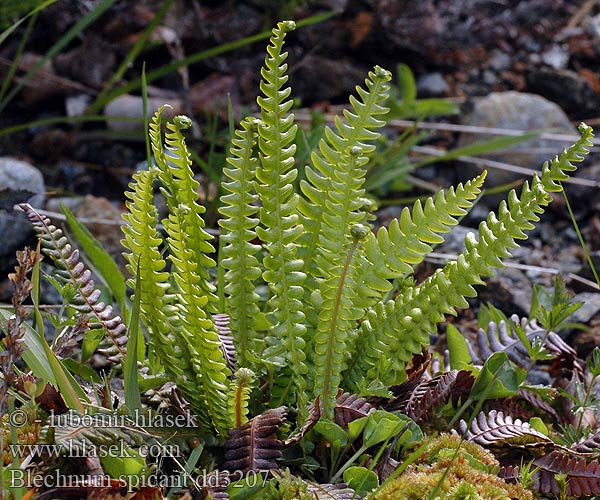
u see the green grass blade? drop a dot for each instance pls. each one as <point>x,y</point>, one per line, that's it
<point>65,119</point>
<point>146,122</point>
<point>581,240</point>
<point>70,390</point>
<point>481,148</point>
<point>103,262</point>
<point>75,30</point>
<point>6,33</point>
<point>201,56</point>
<point>130,370</point>
<point>15,62</point>
<point>130,57</point>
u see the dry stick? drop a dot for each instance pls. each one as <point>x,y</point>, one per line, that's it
<point>441,258</point>
<point>482,162</point>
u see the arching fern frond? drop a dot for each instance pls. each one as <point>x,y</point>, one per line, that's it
<point>71,270</point>
<point>279,229</point>
<point>181,189</point>
<point>396,330</point>
<point>238,229</point>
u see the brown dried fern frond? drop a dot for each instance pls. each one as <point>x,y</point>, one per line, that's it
<point>494,429</point>
<point>71,270</point>
<point>255,446</point>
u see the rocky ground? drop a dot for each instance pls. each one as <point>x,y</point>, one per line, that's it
<point>489,56</point>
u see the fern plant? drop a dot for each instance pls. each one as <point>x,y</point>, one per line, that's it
<point>303,278</point>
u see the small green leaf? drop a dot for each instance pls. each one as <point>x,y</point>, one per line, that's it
<point>356,427</point>
<point>538,424</point>
<point>336,436</point>
<point>380,426</point>
<point>460,359</point>
<point>91,341</point>
<point>361,480</point>
<point>131,465</point>
<point>406,82</point>
<point>499,378</point>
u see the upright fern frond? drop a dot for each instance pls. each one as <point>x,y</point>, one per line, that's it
<point>181,189</point>
<point>333,205</point>
<point>146,264</point>
<point>279,230</point>
<point>321,184</point>
<point>238,230</point>
<point>188,245</point>
<point>197,327</point>
<point>396,330</point>
<point>71,270</point>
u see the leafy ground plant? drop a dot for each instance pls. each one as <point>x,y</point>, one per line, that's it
<point>306,344</point>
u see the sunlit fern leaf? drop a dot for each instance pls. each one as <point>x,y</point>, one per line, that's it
<point>157,309</point>
<point>188,247</point>
<point>396,330</point>
<point>181,190</point>
<point>396,250</point>
<point>71,270</point>
<point>340,232</point>
<point>196,325</point>
<point>279,228</point>
<point>238,229</point>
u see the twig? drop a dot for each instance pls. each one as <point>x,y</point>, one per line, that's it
<point>482,162</point>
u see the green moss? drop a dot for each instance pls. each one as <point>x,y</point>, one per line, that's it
<point>469,475</point>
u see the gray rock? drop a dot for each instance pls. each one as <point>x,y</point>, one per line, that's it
<point>557,57</point>
<point>515,111</point>
<point>454,241</point>
<point>432,85</point>
<point>14,226</point>
<point>589,309</point>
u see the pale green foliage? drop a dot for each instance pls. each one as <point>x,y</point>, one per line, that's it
<point>279,227</point>
<point>323,320</point>
<point>182,334</point>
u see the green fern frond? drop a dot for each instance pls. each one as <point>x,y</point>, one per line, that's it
<point>196,326</point>
<point>238,230</point>
<point>357,131</point>
<point>188,248</point>
<point>181,189</point>
<point>279,230</point>
<point>396,250</point>
<point>240,390</point>
<point>333,204</point>
<point>395,331</point>
<point>146,264</point>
